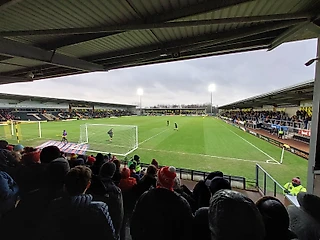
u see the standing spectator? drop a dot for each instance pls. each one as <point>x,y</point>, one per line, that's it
<point>148,181</point>
<point>294,187</point>
<point>49,154</point>
<point>133,172</point>
<point>117,175</point>
<point>33,207</point>
<point>77,211</point>
<point>305,220</point>
<point>126,182</point>
<point>103,189</point>
<point>201,192</point>
<point>97,164</point>
<point>162,208</point>
<point>230,214</point>
<point>276,219</point>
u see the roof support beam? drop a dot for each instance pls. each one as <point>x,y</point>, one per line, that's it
<point>7,80</point>
<point>16,49</point>
<point>129,27</point>
<point>199,41</point>
<point>191,10</point>
<point>290,33</point>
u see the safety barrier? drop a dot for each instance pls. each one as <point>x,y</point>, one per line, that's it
<point>266,184</point>
<point>194,175</point>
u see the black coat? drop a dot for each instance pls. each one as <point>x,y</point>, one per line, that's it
<point>145,184</point>
<point>104,190</point>
<point>201,194</point>
<point>78,217</point>
<point>161,214</point>
<point>29,214</point>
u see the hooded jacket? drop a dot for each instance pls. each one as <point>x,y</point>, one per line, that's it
<point>78,217</point>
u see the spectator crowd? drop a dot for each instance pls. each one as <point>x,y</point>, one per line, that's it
<point>280,117</point>
<point>47,195</point>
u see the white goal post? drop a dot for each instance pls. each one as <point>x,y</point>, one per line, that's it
<point>123,142</point>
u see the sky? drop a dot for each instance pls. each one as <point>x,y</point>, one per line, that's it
<point>236,76</point>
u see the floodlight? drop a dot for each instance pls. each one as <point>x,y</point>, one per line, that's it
<point>212,87</point>
<point>311,61</point>
<point>140,91</point>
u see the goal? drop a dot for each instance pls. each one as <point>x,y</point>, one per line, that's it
<point>124,142</point>
<point>15,131</point>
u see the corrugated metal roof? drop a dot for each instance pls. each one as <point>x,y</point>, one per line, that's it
<point>142,45</point>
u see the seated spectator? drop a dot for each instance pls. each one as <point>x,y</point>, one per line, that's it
<point>161,213</point>
<point>234,216</point>
<point>305,220</point>
<point>9,192</point>
<point>275,218</point>
<point>49,154</point>
<point>69,214</point>
<point>117,175</point>
<point>201,192</point>
<point>103,189</point>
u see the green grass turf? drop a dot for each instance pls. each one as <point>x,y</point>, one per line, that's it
<point>205,144</point>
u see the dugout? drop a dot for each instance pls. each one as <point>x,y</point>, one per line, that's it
<point>80,38</point>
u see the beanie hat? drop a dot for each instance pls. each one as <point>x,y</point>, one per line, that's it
<point>136,157</point>
<point>166,176</point>
<point>18,147</point>
<point>91,160</point>
<point>56,171</point>
<point>49,153</point>
<point>219,183</point>
<point>211,176</point>
<point>296,180</point>
<point>79,161</point>
<point>10,148</point>
<point>107,170</point>
<point>31,157</point>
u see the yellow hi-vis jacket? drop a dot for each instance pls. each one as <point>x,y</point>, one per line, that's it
<point>293,190</point>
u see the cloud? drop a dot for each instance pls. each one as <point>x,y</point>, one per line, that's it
<point>236,76</point>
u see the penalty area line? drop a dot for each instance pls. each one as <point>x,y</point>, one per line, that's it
<point>201,155</point>
<point>152,137</point>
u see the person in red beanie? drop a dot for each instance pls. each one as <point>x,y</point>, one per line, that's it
<point>126,182</point>
<point>90,160</point>
<point>162,208</point>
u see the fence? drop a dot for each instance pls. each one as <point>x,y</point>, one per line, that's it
<point>194,175</point>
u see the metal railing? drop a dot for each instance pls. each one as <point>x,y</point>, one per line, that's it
<point>194,175</point>
<point>266,184</point>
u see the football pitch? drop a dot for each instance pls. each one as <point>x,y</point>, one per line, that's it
<point>205,144</point>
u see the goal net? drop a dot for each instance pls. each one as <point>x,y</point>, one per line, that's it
<point>124,141</point>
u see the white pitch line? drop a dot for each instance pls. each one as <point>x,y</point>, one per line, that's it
<point>152,137</point>
<point>271,158</point>
<point>200,154</point>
